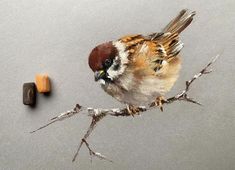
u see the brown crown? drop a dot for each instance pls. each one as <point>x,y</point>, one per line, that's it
<point>99,54</point>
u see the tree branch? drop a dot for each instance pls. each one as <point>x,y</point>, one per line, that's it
<point>99,113</point>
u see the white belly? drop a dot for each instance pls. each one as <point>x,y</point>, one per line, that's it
<point>144,92</point>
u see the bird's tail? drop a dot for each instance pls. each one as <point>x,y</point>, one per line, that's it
<point>178,24</point>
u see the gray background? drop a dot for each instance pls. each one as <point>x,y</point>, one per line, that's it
<point>56,36</point>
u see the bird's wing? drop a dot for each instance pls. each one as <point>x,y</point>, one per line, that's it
<point>168,44</point>
<point>152,53</point>
<point>166,47</point>
<point>132,41</point>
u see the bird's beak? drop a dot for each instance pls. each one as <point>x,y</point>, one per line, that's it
<point>99,75</point>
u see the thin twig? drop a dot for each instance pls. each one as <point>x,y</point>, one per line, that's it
<point>99,113</point>
<point>61,117</point>
<point>94,121</point>
<point>96,154</point>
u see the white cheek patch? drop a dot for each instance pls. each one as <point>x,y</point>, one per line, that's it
<point>121,59</point>
<point>123,54</point>
<point>101,81</point>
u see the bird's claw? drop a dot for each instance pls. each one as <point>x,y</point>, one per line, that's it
<point>132,110</point>
<point>159,101</point>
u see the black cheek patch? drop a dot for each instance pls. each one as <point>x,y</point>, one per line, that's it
<point>116,66</point>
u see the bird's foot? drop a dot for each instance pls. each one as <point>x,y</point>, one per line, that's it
<point>132,110</point>
<point>159,101</point>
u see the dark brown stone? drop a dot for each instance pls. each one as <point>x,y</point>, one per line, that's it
<point>29,94</point>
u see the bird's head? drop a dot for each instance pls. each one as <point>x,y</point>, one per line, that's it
<point>106,62</point>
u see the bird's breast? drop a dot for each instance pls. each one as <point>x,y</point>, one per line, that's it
<point>131,90</point>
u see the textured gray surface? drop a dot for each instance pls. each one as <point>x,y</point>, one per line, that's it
<point>56,36</point>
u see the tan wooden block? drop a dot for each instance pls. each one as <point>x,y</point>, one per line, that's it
<point>43,83</point>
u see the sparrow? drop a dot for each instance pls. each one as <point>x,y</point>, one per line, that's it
<point>138,69</point>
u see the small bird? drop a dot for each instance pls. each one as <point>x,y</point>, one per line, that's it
<point>138,69</point>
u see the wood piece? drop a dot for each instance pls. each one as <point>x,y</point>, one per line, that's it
<point>29,94</point>
<point>43,83</point>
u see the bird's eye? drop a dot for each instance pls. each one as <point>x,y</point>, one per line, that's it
<point>107,63</point>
